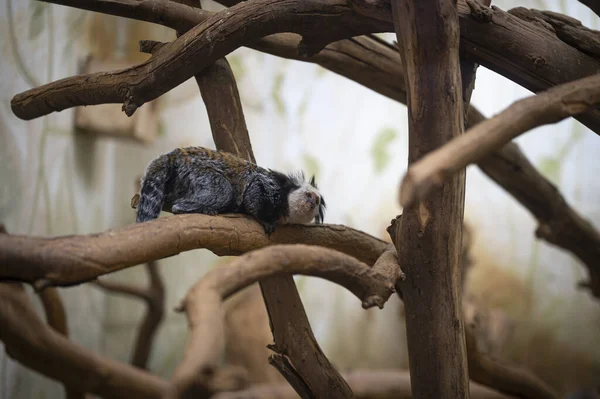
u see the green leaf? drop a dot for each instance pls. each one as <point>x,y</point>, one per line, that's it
<point>379,149</point>
<point>37,23</point>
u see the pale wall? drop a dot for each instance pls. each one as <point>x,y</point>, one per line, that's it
<point>55,182</point>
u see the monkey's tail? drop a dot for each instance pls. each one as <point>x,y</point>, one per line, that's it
<point>154,187</point>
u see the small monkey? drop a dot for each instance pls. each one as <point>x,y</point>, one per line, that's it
<point>200,180</point>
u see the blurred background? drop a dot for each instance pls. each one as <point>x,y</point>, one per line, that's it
<point>59,176</point>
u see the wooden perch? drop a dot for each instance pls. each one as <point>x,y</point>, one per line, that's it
<point>72,260</point>
<point>428,237</point>
<point>567,29</point>
<point>366,384</point>
<point>203,303</point>
<point>32,343</point>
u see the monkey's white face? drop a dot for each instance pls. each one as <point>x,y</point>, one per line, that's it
<point>304,205</point>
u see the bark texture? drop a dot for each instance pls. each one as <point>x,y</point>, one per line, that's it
<point>428,236</point>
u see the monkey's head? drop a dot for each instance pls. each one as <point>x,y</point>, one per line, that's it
<point>305,202</point>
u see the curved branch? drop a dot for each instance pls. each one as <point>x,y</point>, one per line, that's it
<point>203,303</point>
<point>73,260</point>
<point>198,48</point>
<point>32,343</point>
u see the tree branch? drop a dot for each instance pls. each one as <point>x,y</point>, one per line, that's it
<point>567,29</point>
<point>428,238</point>
<point>73,260</point>
<point>483,139</point>
<point>199,47</point>
<point>532,59</point>
<point>31,342</point>
<point>203,303</point>
<point>366,384</point>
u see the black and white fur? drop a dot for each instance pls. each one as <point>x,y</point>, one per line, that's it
<point>199,180</point>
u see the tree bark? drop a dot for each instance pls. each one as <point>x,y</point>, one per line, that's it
<point>428,236</point>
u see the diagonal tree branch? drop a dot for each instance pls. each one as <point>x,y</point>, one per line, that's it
<point>549,107</point>
<point>563,227</point>
<point>203,303</point>
<point>31,342</point>
<point>367,384</point>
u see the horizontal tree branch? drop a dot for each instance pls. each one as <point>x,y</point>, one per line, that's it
<point>32,343</point>
<point>203,303</point>
<point>366,384</point>
<point>70,260</point>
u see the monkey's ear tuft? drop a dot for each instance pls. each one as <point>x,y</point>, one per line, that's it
<point>313,182</point>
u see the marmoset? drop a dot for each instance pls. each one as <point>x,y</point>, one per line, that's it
<point>199,180</point>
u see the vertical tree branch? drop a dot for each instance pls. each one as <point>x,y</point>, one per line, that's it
<point>292,334</point>
<point>428,238</point>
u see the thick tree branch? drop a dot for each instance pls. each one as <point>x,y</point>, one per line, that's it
<point>567,29</point>
<point>31,342</point>
<point>428,237</point>
<point>366,384</point>
<point>196,49</point>
<point>549,107</point>
<point>72,260</point>
<point>203,303</point>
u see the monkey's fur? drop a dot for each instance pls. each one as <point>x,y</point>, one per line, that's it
<point>199,180</point>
